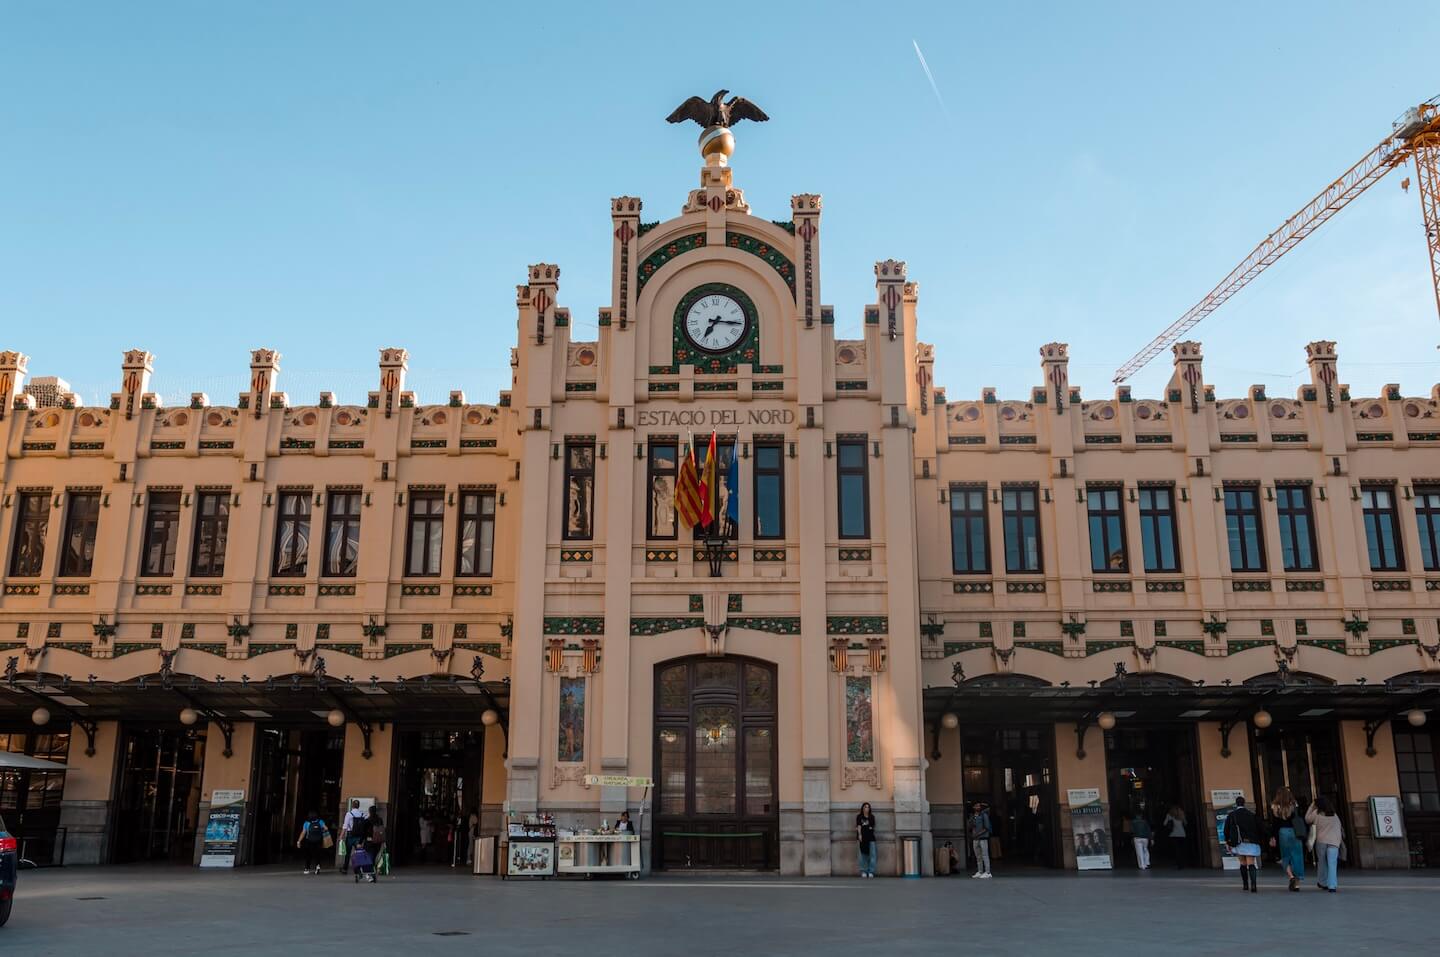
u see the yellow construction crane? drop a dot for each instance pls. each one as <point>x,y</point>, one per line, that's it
<point>1416,134</point>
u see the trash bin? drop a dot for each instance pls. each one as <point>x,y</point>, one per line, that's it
<point>910,857</point>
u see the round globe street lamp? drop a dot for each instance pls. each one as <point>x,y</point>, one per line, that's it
<point>40,716</point>
<point>188,716</point>
<point>949,721</point>
<point>1106,720</point>
<point>336,718</point>
<point>1416,717</point>
<point>1262,719</point>
<point>489,717</point>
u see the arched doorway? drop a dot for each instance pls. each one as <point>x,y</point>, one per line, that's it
<point>716,764</point>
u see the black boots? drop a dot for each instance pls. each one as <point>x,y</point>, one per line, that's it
<point>1245,876</point>
<point>1254,879</point>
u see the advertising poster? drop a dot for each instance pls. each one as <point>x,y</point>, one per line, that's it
<point>1223,801</point>
<point>1385,816</point>
<point>222,829</point>
<point>1088,830</point>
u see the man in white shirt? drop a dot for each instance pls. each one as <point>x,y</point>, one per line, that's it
<point>353,817</point>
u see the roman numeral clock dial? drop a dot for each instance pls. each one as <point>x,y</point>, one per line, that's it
<point>715,323</point>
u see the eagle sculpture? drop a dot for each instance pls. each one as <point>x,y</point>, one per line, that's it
<point>716,113</point>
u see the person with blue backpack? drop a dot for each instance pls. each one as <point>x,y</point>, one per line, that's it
<point>314,840</point>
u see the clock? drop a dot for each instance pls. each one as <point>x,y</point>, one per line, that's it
<point>716,322</point>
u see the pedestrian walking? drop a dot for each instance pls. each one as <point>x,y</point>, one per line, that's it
<point>978,830</point>
<point>427,836</point>
<point>1143,837</point>
<point>865,834</point>
<point>1243,835</point>
<point>1289,830</point>
<point>349,833</point>
<point>371,833</point>
<point>1175,834</point>
<point>1329,840</point>
<point>313,841</point>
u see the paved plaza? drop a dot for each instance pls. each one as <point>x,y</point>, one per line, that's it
<point>174,911</point>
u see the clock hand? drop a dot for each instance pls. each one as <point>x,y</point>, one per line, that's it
<point>711,328</point>
<point>731,322</point>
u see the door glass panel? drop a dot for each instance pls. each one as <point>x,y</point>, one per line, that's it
<point>672,771</point>
<point>674,690</point>
<point>759,689</point>
<point>759,770</point>
<point>715,674</point>
<point>715,748</point>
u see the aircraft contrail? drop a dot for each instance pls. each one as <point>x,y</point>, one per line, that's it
<point>931,77</point>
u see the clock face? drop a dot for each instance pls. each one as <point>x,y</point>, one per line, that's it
<point>715,323</point>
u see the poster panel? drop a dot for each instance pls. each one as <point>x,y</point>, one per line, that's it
<point>222,828</point>
<point>1385,816</point>
<point>1223,801</point>
<point>1088,830</point>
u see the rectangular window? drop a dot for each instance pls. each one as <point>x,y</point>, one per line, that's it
<point>212,526</point>
<point>1297,528</point>
<point>1415,758</point>
<point>769,490</point>
<point>342,534</point>
<point>1242,528</point>
<point>81,524</point>
<point>724,455</point>
<point>1159,536</point>
<point>664,467</point>
<point>292,534</point>
<point>1107,529</point>
<point>32,522</point>
<point>969,530</point>
<point>854,488</point>
<point>427,524</point>
<point>579,490</point>
<point>1427,516</point>
<point>162,534</point>
<point>1020,509</point>
<point>1382,528</point>
<point>477,534</point>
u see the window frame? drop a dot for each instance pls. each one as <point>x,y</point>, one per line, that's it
<point>1427,514</point>
<point>1252,489</point>
<point>481,518</point>
<point>778,474</point>
<point>342,522</point>
<point>1155,515</point>
<point>209,523</point>
<point>153,499</point>
<point>64,569</point>
<point>1106,515</point>
<point>22,521</point>
<point>651,473</point>
<point>1020,513</point>
<point>959,490</point>
<point>1286,512</point>
<point>303,516</point>
<point>432,521</point>
<point>571,472</point>
<point>726,449</point>
<point>1391,512</point>
<point>841,471</point>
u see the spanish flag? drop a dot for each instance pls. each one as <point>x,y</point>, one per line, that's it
<point>689,501</point>
<point>710,486</point>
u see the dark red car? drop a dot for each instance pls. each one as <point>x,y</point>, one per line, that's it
<point>9,867</point>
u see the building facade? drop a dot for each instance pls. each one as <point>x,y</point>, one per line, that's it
<point>484,607</point>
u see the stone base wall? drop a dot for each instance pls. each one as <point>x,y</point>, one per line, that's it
<point>85,824</point>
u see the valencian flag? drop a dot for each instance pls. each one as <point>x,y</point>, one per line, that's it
<point>709,487</point>
<point>689,502</point>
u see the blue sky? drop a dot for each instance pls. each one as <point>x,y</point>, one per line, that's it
<point>199,179</point>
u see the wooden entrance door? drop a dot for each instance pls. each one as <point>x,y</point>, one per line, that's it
<point>716,761</point>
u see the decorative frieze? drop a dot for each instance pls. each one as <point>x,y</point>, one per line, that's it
<point>1110,587</point>
<point>1249,585</point>
<point>420,591</point>
<point>769,555</point>
<point>857,625</point>
<point>650,627</point>
<point>152,589</point>
<point>973,588</point>
<point>287,591</point>
<point>474,591</point>
<point>773,624</point>
<point>570,555</point>
<point>1025,588</point>
<point>330,591</point>
<point>855,554</point>
<point>575,625</point>
<point>1390,584</point>
<point>1304,584</point>
<point>1158,587</point>
<point>210,590</point>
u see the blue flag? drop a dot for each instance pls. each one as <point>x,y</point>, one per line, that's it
<point>732,484</point>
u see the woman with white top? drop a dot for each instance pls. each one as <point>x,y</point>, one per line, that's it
<point>1174,828</point>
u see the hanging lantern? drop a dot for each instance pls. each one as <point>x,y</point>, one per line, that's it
<point>40,716</point>
<point>1262,719</point>
<point>489,717</point>
<point>1106,720</point>
<point>949,721</point>
<point>1416,717</point>
<point>188,716</point>
<point>336,718</point>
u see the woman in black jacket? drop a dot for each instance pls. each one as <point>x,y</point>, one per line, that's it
<point>1244,834</point>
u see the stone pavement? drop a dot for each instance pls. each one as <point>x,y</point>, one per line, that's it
<point>161,911</point>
